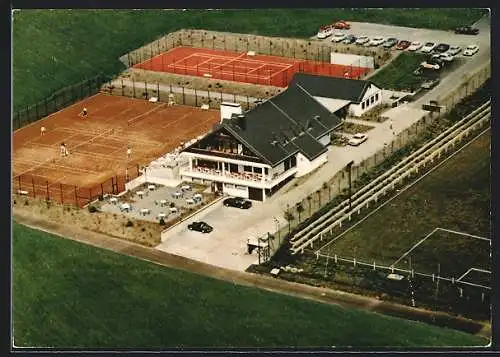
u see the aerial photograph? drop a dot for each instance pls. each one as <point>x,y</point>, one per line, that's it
<point>283,178</point>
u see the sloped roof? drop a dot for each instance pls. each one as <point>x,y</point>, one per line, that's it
<point>332,87</point>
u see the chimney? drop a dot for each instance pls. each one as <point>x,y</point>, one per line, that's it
<point>227,110</point>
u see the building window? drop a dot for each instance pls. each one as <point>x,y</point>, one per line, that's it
<point>376,97</point>
<point>229,185</point>
<point>363,105</point>
<point>247,168</point>
<point>293,161</point>
<point>241,188</point>
<point>257,170</point>
<point>266,170</point>
<point>372,99</point>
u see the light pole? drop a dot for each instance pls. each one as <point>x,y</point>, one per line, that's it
<point>349,166</point>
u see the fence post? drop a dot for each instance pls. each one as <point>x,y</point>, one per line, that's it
<point>158,90</point>
<point>37,113</point>
<point>195,98</point>
<point>76,197</point>
<point>123,89</point>
<point>33,183</point>
<point>146,89</point>
<point>183,96</point>
<point>133,86</point>
<point>48,195</point>
<point>102,190</point>
<point>62,198</point>
<point>19,179</point>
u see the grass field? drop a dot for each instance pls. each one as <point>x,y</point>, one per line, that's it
<point>456,196</point>
<point>56,48</point>
<point>398,74</point>
<point>68,294</point>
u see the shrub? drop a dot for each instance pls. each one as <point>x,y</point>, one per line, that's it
<point>100,198</point>
<point>92,209</point>
<point>172,204</point>
<point>129,223</point>
<point>143,229</point>
<point>26,203</point>
<point>162,222</point>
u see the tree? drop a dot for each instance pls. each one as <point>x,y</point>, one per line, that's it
<point>309,199</point>
<point>299,209</point>
<point>329,187</point>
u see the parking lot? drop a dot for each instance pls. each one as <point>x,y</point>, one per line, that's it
<point>226,245</point>
<point>414,34</point>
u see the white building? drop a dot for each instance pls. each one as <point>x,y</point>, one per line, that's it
<point>252,155</point>
<point>340,95</point>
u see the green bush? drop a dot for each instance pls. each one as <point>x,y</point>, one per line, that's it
<point>93,209</point>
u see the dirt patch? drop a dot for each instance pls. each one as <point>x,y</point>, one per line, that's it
<point>354,128</point>
<point>375,114</point>
<point>137,231</point>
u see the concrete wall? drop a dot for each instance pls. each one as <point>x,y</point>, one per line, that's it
<point>304,166</point>
<point>347,59</point>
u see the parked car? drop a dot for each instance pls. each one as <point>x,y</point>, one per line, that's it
<point>357,139</point>
<point>454,50</point>
<point>376,41</point>
<point>200,227</point>
<point>349,39</point>
<point>428,47</point>
<point>415,46</point>
<point>325,31</point>
<point>361,40</point>
<point>430,83</point>
<point>466,30</point>
<point>237,202</point>
<point>338,36</point>
<point>471,50</point>
<point>342,25</point>
<point>403,45</point>
<point>390,42</point>
<point>433,63</point>
<point>442,48</point>
<point>447,57</point>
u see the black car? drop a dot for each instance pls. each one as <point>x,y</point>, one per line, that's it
<point>237,202</point>
<point>466,30</point>
<point>349,39</point>
<point>442,48</point>
<point>390,42</point>
<point>200,227</point>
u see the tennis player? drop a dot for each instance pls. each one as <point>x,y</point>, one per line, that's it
<point>42,131</point>
<point>84,112</point>
<point>63,150</point>
<point>129,152</point>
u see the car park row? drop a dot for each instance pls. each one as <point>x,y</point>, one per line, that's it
<point>342,36</point>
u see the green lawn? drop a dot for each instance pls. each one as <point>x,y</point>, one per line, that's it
<point>55,48</point>
<point>456,196</point>
<point>398,74</point>
<point>68,294</point>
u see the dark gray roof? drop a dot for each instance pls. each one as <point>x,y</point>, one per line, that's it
<point>332,87</point>
<point>302,109</point>
<point>271,135</point>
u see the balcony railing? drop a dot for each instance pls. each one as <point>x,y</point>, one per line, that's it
<point>243,177</point>
<point>226,155</point>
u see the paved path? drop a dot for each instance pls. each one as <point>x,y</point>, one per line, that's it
<point>322,295</point>
<point>201,93</point>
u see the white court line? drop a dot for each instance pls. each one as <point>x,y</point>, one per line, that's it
<point>414,246</point>
<point>475,269</point>
<point>145,114</point>
<point>403,190</point>
<point>256,69</point>
<point>224,72</point>
<point>280,64</point>
<point>234,59</point>
<point>464,234</point>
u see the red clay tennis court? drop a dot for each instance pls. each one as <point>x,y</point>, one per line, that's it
<point>97,162</point>
<point>241,67</point>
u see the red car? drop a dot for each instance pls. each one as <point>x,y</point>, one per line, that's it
<point>403,45</point>
<point>342,25</point>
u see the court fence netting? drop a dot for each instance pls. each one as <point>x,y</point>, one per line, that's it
<point>57,101</point>
<point>41,187</point>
